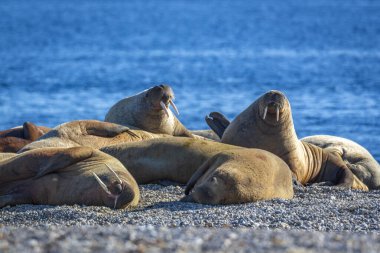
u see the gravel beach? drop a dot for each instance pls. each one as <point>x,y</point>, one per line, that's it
<point>318,219</point>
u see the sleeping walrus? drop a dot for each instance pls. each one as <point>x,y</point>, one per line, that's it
<point>66,176</point>
<point>232,174</point>
<point>12,140</point>
<point>356,157</point>
<point>92,133</point>
<point>240,176</point>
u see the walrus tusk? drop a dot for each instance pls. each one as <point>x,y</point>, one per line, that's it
<point>104,187</point>
<point>132,133</point>
<point>277,113</point>
<point>174,107</point>
<point>116,198</point>
<point>265,112</point>
<point>113,172</point>
<point>164,108</point>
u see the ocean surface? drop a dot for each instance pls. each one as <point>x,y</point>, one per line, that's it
<point>67,60</point>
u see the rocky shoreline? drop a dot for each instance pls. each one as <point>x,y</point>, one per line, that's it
<point>318,219</point>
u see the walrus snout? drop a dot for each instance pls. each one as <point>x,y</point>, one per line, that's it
<point>162,96</point>
<point>274,102</point>
<point>119,191</point>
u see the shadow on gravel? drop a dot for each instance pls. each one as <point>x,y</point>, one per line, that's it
<point>174,206</point>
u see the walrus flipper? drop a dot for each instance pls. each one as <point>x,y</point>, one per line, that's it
<point>198,173</point>
<point>105,129</point>
<point>217,122</point>
<point>63,160</point>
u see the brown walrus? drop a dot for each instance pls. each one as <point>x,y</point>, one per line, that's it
<point>268,124</point>
<point>149,111</point>
<point>92,133</point>
<point>356,157</point>
<point>239,176</point>
<point>66,176</point>
<point>174,159</point>
<point>12,140</point>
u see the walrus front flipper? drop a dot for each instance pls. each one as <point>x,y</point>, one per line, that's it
<point>64,159</point>
<point>31,131</point>
<point>217,122</point>
<point>198,173</point>
<point>106,129</point>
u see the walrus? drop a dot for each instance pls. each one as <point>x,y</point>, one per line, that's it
<point>92,133</point>
<point>174,159</point>
<point>268,124</point>
<point>240,176</point>
<point>14,139</point>
<point>149,111</point>
<point>66,176</point>
<point>356,157</point>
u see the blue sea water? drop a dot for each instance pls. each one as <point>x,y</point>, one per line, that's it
<point>68,60</point>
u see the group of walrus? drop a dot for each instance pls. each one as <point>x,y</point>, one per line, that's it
<point>257,156</point>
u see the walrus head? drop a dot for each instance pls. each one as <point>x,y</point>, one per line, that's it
<point>160,97</point>
<point>218,181</point>
<point>273,107</point>
<point>117,192</point>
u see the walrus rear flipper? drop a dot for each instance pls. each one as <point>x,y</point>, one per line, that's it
<point>217,122</point>
<point>64,159</point>
<point>198,173</point>
<point>105,129</point>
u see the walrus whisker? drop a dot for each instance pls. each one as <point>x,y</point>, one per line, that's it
<point>104,187</point>
<point>174,107</point>
<point>277,113</point>
<point>114,173</point>
<point>164,108</point>
<point>265,112</point>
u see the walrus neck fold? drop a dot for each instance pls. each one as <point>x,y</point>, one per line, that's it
<point>314,160</point>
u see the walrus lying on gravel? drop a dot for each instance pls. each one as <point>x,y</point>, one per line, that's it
<point>92,133</point>
<point>66,176</point>
<point>177,159</point>
<point>12,140</point>
<point>268,124</point>
<point>239,176</point>
<point>149,111</point>
<point>356,157</point>
<point>174,159</point>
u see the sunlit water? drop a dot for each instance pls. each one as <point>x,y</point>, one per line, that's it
<point>68,60</point>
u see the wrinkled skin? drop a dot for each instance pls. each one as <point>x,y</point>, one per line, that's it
<point>268,124</point>
<point>14,139</point>
<point>92,133</point>
<point>356,157</point>
<point>240,176</point>
<point>65,176</point>
<point>144,111</point>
